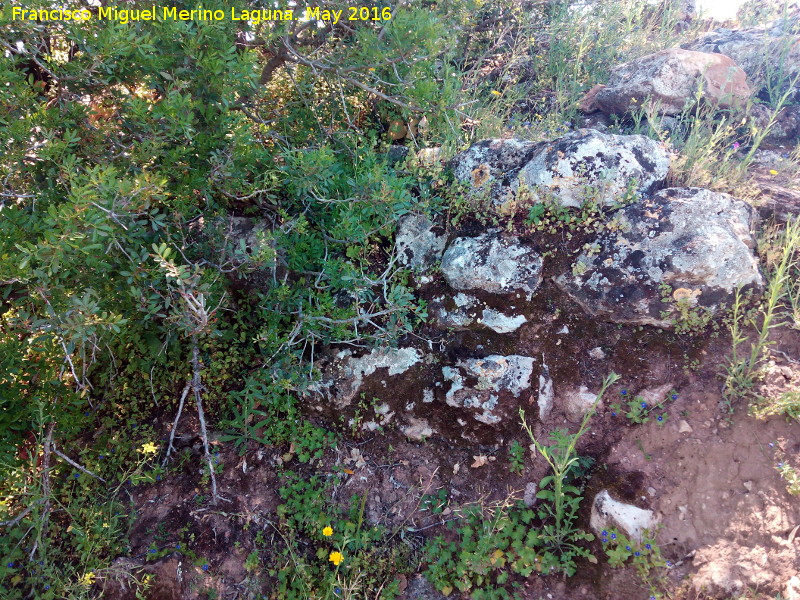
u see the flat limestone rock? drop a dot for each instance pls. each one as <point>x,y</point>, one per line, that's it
<point>418,245</point>
<point>631,520</point>
<point>463,311</point>
<point>493,263</point>
<point>494,377</point>
<point>690,246</point>
<point>515,174</point>
<point>344,376</point>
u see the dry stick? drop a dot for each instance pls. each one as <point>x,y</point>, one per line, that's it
<point>170,447</point>
<point>46,451</point>
<point>196,389</point>
<point>20,516</point>
<point>74,464</point>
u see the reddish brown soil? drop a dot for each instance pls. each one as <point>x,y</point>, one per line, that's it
<point>728,524</point>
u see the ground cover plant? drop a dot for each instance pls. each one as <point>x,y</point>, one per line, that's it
<point>196,214</point>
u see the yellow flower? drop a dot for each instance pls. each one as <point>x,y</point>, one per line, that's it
<point>148,448</point>
<point>336,558</point>
<point>105,525</point>
<point>496,93</point>
<point>87,579</point>
<point>327,532</point>
<point>773,172</point>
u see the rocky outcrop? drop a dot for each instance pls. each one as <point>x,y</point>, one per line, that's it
<point>668,80</point>
<point>683,249</point>
<point>580,167</point>
<point>493,263</point>
<point>755,49</point>
<point>418,245</point>
<point>482,384</point>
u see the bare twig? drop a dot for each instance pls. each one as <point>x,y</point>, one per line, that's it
<point>196,387</point>
<point>170,447</point>
<point>19,517</point>
<point>67,459</point>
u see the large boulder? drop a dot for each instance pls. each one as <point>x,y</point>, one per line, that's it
<point>669,80</point>
<point>493,263</point>
<point>483,385</point>
<point>684,249</point>
<point>757,50</point>
<point>582,166</point>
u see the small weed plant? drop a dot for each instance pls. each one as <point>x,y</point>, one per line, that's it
<point>644,556</point>
<point>744,368</point>
<point>636,410</point>
<point>326,551</point>
<point>560,537</point>
<point>516,457</point>
<point>490,544</point>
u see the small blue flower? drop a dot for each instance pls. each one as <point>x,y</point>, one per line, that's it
<point>628,548</point>
<point>76,475</point>
<point>205,567</point>
<point>780,464</point>
<point>613,536</point>
<point>86,414</point>
<point>177,546</point>
<point>158,477</point>
<point>47,587</point>
<point>674,396</point>
<point>644,404</point>
<point>669,563</point>
<point>659,418</point>
<point>613,414</point>
<point>337,591</point>
<point>604,532</point>
<point>771,445</point>
<point>637,553</point>
<point>648,546</point>
<point>153,550</point>
<point>624,392</point>
<point>101,457</point>
<point>11,565</point>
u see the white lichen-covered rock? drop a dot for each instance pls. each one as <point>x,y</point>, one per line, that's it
<point>500,322</point>
<point>756,49</point>
<point>579,402</point>
<point>493,263</point>
<point>682,252</point>
<point>583,166</point>
<point>462,311</point>
<point>546,392</point>
<point>345,374</point>
<point>668,82</point>
<point>481,384</point>
<point>590,166</point>
<point>608,513</point>
<point>418,245</point>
